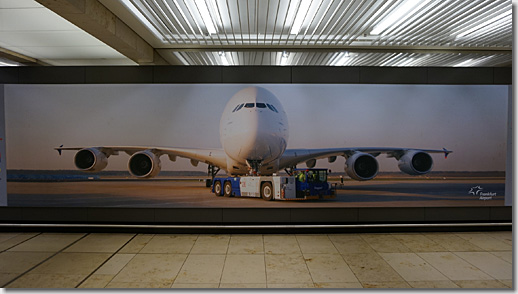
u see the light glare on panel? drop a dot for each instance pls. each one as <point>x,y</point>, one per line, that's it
<point>403,9</point>
<point>487,25</point>
<point>284,58</point>
<point>299,18</point>
<point>141,17</point>
<point>223,57</point>
<point>472,62</point>
<point>205,15</point>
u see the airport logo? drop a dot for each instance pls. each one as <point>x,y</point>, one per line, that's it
<point>477,191</point>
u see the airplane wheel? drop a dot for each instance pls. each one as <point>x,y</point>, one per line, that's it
<point>227,189</point>
<point>217,188</point>
<point>267,191</point>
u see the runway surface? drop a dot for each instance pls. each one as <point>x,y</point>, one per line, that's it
<point>193,193</point>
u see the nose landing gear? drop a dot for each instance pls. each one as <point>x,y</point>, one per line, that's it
<point>253,166</point>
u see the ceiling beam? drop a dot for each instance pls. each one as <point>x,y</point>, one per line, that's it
<point>19,58</point>
<point>330,48</point>
<point>94,18</point>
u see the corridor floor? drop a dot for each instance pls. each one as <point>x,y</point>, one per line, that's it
<point>394,260</point>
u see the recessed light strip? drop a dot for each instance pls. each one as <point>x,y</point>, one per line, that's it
<point>300,16</point>
<point>403,10</point>
<point>206,16</point>
<point>489,24</point>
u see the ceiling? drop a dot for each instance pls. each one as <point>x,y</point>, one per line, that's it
<point>400,33</point>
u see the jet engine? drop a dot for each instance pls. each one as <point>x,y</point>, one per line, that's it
<point>415,162</point>
<point>90,160</point>
<point>361,166</point>
<point>144,164</point>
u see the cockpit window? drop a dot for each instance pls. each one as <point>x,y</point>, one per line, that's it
<point>238,107</point>
<point>272,108</point>
<point>235,108</point>
<point>249,105</point>
<point>260,105</point>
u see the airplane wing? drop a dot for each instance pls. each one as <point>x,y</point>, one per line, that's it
<point>292,157</point>
<point>214,157</point>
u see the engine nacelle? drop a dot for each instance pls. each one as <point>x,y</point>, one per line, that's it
<point>144,164</point>
<point>90,160</point>
<point>361,166</point>
<point>415,162</point>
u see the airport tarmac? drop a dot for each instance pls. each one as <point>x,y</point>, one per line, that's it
<point>193,193</point>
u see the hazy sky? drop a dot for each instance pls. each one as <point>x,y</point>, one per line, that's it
<point>470,120</point>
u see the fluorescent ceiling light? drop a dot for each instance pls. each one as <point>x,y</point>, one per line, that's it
<point>223,57</point>
<point>284,58</point>
<point>205,15</point>
<point>487,25</point>
<point>341,59</point>
<point>142,18</point>
<point>403,10</point>
<point>299,18</point>
<point>472,62</point>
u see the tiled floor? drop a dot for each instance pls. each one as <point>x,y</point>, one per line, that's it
<point>414,260</point>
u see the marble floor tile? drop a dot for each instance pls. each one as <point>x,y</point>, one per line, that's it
<point>488,263</point>
<point>160,269</point>
<point>47,242</point>
<point>72,264</point>
<point>504,236</point>
<point>411,267</point>
<point>246,244</point>
<point>196,286</point>
<point>350,244</point>
<point>7,236</point>
<point>139,285</point>
<point>485,241</point>
<point>201,269</point>
<point>328,268</point>
<point>20,262</point>
<point>281,244</point>
<point>115,264</point>
<point>170,244</point>
<point>385,243</point>
<point>292,286</point>
<point>96,281</point>
<point>242,286</point>
<point>6,278</point>
<point>452,242</point>
<point>35,281</point>
<point>473,284</point>
<point>447,284</point>
<point>244,269</point>
<point>370,267</point>
<point>453,267</point>
<point>100,242</point>
<point>287,269</point>
<point>137,243</point>
<point>16,240</point>
<point>508,283</point>
<point>504,255</point>
<point>419,243</point>
<point>211,244</point>
<point>316,244</point>
<point>386,285</point>
<point>347,285</point>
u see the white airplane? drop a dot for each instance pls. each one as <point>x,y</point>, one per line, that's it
<point>254,136</point>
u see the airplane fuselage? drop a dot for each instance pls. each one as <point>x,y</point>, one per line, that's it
<point>253,131</point>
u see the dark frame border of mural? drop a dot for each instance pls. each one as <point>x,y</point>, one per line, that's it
<point>255,75</point>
